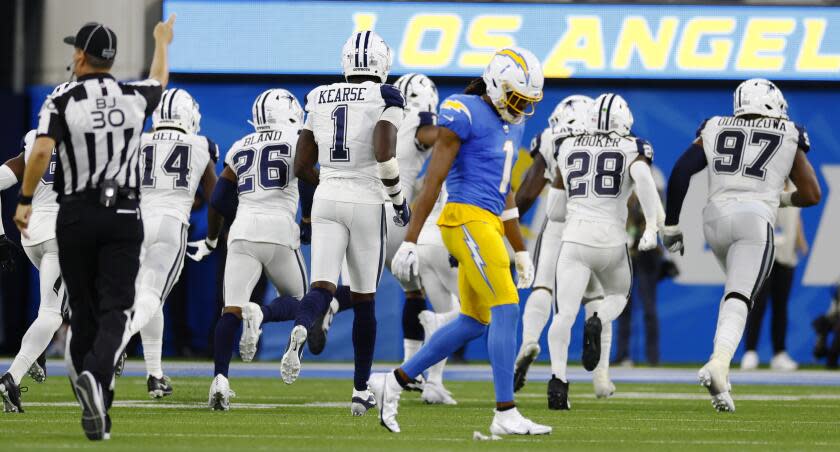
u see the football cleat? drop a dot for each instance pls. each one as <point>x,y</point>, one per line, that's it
<point>252,317</point>
<point>604,387</point>
<point>10,392</point>
<point>591,343</point>
<point>159,387</point>
<point>386,389</point>
<point>361,402</point>
<point>220,394</point>
<point>89,392</point>
<point>511,422</point>
<point>558,394</point>
<point>38,369</point>
<point>120,365</point>
<point>435,394</point>
<point>527,355</point>
<point>714,376</point>
<point>290,365</point>
<point>749,361</point>
<point>317,338</point>
<point>417,384</point>
<point>783,362</point>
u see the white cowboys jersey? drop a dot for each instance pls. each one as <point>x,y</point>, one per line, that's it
<point>749,160</point>
<point>44,203</point>
<point>546,144</point>
<point>267,186</point>
<point>342,117</point>
<point>595,171</point>
<point>171,166</point>
<point>411,155</point>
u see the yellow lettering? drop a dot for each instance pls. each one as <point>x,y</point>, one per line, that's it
<point>363,21</point>
<point>715,59</point>
<point>636,36</point>
<point>810,59</point>
<point>582,42</point>
<point>763,43</point>
<point>411,52</point>
<point>486,32</point>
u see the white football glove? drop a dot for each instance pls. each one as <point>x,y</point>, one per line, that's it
<point>672,238</point>
<point>524,269</point>
<point>648,240</point>
<point>203,248</point>
<point>405,264</point>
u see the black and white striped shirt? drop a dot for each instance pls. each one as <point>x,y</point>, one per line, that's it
<point>96,125</point>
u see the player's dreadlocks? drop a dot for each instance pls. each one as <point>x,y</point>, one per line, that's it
<point>476,87</point>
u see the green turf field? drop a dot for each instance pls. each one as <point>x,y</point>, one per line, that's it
<point>314,415</point>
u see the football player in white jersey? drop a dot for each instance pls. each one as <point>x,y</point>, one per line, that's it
<point>351,130</point>
<point>40,246</point>
<point>749,156</point>
<point>570,118</point>
<point>259,191</point>
<point>597,173</point>
<point>174,161</point>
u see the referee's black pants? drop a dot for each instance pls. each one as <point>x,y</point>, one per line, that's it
<point>99,255</point>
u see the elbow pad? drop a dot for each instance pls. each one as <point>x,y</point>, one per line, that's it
<point>225,198</point>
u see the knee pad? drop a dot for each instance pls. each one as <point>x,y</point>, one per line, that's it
<point>741,297</point>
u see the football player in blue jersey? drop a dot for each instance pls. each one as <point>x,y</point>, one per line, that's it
<point>479,135</point>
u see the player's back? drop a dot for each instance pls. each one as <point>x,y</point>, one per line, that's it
<point>595,171</point>
<point>342,117</point>
<point>749,159</point>
<point>171,166</point>
<point>44,200</point>
<point>480,174</point>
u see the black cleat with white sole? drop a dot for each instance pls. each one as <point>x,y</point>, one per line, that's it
<point>159,387</point>
<point>94,416</point>
<point>10,393</point>
<point>591,343</point>
<point>558,394</point>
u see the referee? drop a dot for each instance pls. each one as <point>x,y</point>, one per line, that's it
<point>95,126</point>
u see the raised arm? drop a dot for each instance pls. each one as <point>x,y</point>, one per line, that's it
<point>159,70</point>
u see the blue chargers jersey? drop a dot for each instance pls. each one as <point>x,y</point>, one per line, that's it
<point>480,174</point>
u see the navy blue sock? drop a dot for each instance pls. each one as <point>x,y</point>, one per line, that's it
<point>412,329</point>
<point>224,342</point>
<point>342,294</point>
<point>364,341</point>
<point>280,309</point>
<point>313,305</point>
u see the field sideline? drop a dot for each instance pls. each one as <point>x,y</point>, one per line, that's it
<point>313,414</point>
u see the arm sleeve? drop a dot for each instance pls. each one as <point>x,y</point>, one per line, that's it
<point>307,192</point>
<point>691,162</point>
<point>151,90</point>
<point>455,116</point>
<point>224,198</point>
<point>646,192</point>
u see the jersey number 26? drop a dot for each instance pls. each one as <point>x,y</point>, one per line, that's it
<point>272,167</point>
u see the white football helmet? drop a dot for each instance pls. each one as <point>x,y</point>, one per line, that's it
<point>572,115</point>
<point>610,113</point>
<point>419,91</point>
<point>177,109</point>
<point>276,107</point>
<point>758,96</point>
<point>366,53</point>
<point>514,80</point>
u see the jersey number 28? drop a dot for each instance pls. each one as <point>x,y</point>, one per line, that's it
<point>609,166</point>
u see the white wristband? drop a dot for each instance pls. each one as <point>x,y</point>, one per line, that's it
<point>785,199</point>
<point>211,243</point>
<point>510,214</point>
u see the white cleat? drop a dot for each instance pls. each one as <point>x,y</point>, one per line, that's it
<point>252,317</point>
<point>430,321</point>
<point>714,376</point>
<point>361,402</point>
<point>749,361</point>
<point>783,362</point>
<point>386,391</point>
<point>604,387</point>
<point>511,422</point>
<point>435,394</point>
<point>290,365</point>
<point>220,394</point>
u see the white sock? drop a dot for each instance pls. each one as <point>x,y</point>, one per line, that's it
<point>537,312</point>
<point>34,342</point>
<point>145,307</point>
<point>152,335</point>
<point>559,334</point>
<point>606,336</point>
<point>730,327</point>
<point>410,347</point>
<point>436,372</point>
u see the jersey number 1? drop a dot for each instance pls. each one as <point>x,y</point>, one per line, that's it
<point>338,150</point>
<point>508,148</point>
